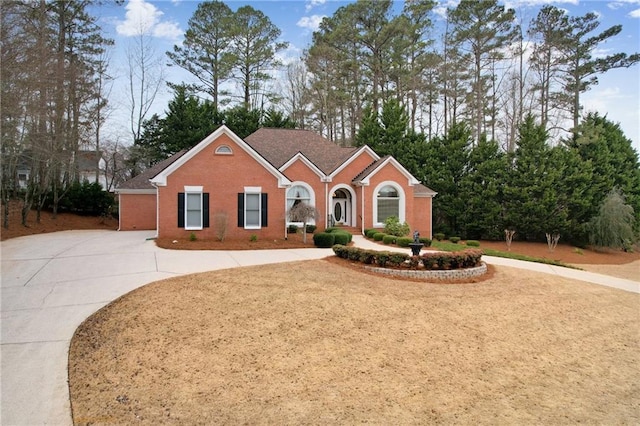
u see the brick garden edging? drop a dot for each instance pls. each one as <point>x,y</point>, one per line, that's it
<point>452,274</point>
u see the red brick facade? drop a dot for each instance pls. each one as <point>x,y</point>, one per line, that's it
<point>223,167</point>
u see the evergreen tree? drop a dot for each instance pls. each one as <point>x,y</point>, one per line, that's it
<point>533,201</point>
<point>206,49</point>
<point>602,144</point>
<point>444,166</point>
<point>481,189</point>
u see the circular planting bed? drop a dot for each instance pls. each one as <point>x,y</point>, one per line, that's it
<point>439,266</point>
<point>445,275</point>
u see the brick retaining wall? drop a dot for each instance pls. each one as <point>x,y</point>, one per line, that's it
<point>453,274</point>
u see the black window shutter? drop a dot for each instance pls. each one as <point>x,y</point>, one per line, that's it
<point>205,210</point>
<point>263,210</point>
<point>240,209</point>
<point>180,209</point>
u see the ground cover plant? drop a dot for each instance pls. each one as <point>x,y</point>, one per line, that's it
<point>314,342</point>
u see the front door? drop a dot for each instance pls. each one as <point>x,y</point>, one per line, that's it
<point>340,211</point>
<point>341,207</point>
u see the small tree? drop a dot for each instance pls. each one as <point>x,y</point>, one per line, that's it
<point>552,241</point>
<point>508,236</point>
<point>220,222</point>
<point>613,226</point>
<point>302,212</point>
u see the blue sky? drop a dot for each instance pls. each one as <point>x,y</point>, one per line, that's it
<point>617,95</point>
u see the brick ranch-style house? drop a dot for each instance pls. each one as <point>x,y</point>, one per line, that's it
<point>248,186</point>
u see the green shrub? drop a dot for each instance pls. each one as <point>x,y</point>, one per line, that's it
<point>379,236</point>
<point>473,243</point>
<point>86,198</point>
<point>454,240</point>
<point>389,239</point>
<point>439,236</point>
<point>397,259</point>
<point>367,256</point>
<point>332,229</point>
<point>253,238</point>
<point>426,241</point>
<point>324,239</point>
<point>382,258</point>
<point>311,229</point>
<point>341,237</point>
<point>431,260</point>
<point>392,226</point>
<point>369,233</point>
<point>340,251</point>
<point>292,229</point>
<point>192,236</point>
<point>404,241</point>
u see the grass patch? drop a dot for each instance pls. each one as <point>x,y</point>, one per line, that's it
<point>448,246</point>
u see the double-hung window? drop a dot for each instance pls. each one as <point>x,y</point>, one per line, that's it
<point>252,208</point>
<point>193,208</point>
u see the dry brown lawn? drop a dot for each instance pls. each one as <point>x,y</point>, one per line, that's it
<point>319,343</point>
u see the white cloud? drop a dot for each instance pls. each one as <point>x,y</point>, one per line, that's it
<point>168,30</point>
<point>313,3</point>
<point>310,22</point>
<point>635,13</point>
<point>514,4</point>
<point>144,18</point>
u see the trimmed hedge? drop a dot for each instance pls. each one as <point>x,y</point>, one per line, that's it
<point>311,229</point>
<point>439,236</point>
<point>324,239</point>
<point>341,238</point>
<point>292,229</point>
<point>404,241</point>
<point>378,236</point>
<point>389,239</point>
<point>468,258</point>
<point>473,243</point>
<point>369,233</point>
<point>454,240</point>
<point>426,241</point>
<point>335,230</point>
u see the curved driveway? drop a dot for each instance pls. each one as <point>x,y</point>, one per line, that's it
<point>53,282</point>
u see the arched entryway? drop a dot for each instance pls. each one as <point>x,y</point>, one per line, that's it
<point>342,207</point>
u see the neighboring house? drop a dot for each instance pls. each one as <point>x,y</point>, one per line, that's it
<point>251,184</point>
<point>87,164</point>
<point>91,167</point>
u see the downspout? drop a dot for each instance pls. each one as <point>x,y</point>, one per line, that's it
<point>119,212</point>
<point>157,209</point>
<point>326,204</point>
<point>362,209</point>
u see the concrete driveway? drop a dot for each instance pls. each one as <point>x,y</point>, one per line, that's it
<point>53,282</point>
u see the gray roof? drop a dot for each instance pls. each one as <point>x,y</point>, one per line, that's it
<point>279,145</point>
<point>142,180</point>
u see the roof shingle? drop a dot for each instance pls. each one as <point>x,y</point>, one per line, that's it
<point>279,145</point>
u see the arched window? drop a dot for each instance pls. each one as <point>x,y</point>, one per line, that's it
<point>224,150</point>
<point>388,203</point>
<point>298,194</point>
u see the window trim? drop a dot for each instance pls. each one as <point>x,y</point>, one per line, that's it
<point>193,190</point>
<point>253,190</point>
<point>401,202</point>
<point>311,201</point>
